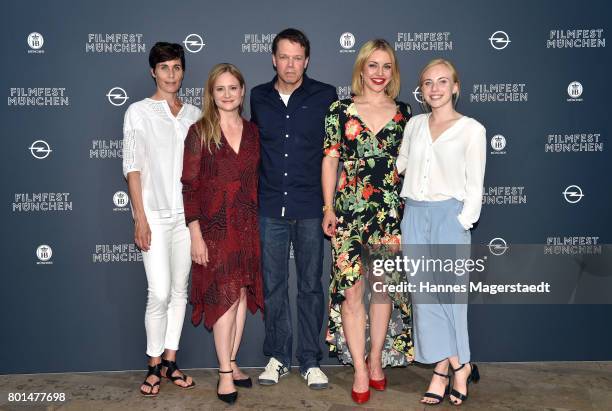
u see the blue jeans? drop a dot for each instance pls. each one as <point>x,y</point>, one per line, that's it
<point>307,238</point>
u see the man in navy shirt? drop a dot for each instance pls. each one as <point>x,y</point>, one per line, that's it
<point>290,112</point>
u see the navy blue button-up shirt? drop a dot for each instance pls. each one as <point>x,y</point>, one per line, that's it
<point>291,139</point>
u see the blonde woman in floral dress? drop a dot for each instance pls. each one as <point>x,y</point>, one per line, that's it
<point>364,209</point>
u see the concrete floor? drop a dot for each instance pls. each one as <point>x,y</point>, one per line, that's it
<point>503,386</point>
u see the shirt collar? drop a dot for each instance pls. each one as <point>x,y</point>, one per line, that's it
<point>306,84</point>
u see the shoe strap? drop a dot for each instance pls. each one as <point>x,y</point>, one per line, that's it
<point>154,370</point>
<point>234,360</point>
<point>225,372</point>
<point>458,369</point>
<point>440,374</point>
<point>434,396</point>
<point>458,395</point>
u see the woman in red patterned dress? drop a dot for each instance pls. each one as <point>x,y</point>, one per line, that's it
<point>219,179</point>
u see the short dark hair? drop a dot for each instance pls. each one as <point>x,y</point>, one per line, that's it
<point>293,35</point>
<point>163,51</point>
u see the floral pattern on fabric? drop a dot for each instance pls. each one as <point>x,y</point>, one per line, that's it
<point>369,211</point>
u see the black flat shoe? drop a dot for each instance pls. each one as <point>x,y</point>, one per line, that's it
<point>156,371</point>
<point>473,377</point>
<point>227,398</point>
<point>171,368</point>
<point>435,396</point>
<point>244,383</point>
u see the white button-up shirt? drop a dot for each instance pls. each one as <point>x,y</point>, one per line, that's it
<point>453,166</point>
<point>153,143</point>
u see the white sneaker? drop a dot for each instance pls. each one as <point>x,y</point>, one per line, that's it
<point>315,378</point>
<point>274,370</point>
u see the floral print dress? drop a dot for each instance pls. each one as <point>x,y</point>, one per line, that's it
<point>369,209</point>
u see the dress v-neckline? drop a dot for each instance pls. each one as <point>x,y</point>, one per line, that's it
<point>370,131</point>
<point>237,153</point>
<point>443,132</point>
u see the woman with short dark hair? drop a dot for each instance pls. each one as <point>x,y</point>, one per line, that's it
<point>154,131</point>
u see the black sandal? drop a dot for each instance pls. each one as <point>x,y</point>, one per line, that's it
<point>435,396</point>
<point>227,398</point>
<point>473,377</point>
<point>171,368</point>
<point>156,371</point>
<point>244,383</point>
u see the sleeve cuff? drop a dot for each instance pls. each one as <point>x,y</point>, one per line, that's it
<point>191,218</point>
<point>128,170</point>
<point>463,222</point>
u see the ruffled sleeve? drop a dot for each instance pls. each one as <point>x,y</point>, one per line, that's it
<point>332,142</point>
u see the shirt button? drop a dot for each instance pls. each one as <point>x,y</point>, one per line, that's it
<point>285,174</point>
<point>286,135</point>
<point>286,155</point>
<point>285,193</point>
<point>287,115</point>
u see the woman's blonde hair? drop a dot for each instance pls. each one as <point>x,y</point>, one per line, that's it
<point>208,125</point>
<point>393,88</point>
<point>454,74</point>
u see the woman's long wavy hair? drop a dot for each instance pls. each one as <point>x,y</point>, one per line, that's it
<point>208,126</point>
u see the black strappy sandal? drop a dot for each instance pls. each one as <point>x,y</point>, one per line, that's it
<point>244,383</point>
<point>435,396</point>
<point>171,368</point>
<point>473,377</point>
<point>156,371</point>
<point>227,398</point>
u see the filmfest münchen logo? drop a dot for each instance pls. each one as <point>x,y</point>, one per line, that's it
<point>347,42</point>
<point>194,43</point>
<point>504,195</point>
<point>423,41</point>
<point>40,149</point>
<point>116,253</point>
<point>103,149</point>
<point>573,245</point>
<point>117,96</point>
<point>574,91</point>
<point>498,144</point>
<point>44,254</point>
<point>344,92</point>
<point>35,41</point>
<point>191,95</point>
<point>576,38</point>
<point>574,142</point>
<point>115,43</point>
<point>258,42</point>
<point>572,194</point>
<point>42,202</point>
<point>499,40</point>
<point>38,97</point>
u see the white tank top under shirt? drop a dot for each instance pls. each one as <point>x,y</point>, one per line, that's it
<point>285,98</point>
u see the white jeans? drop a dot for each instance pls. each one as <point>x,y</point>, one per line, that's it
<point>167,264</point>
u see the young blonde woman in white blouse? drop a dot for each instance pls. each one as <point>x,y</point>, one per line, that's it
<point>443,157</point>
<point>154,131</point>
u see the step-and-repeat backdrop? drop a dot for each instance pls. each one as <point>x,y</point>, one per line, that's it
<point>536,74</point>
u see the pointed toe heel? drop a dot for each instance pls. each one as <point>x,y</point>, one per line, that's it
<point>360,397</point>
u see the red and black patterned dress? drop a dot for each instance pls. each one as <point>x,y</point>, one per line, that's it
<point>220,190</point>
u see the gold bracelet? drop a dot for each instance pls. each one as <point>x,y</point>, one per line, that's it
<point>328,207</point>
